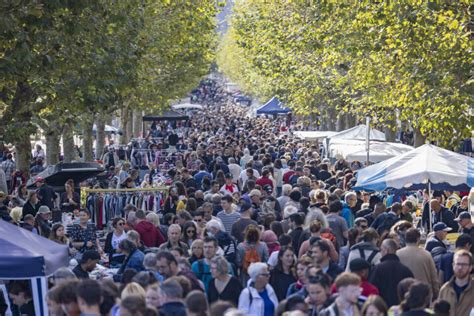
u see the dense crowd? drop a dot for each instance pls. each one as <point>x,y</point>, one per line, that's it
<point>255,222</point>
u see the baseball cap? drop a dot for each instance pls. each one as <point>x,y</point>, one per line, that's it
<point>463,215</point>
<point>358,264</point>
<point>244,207</point>
<point>90,255</point>
<point>268,188</point>
<point>43,209</point>
<point>2,194</point>
<point>441,227</point>
<point>228,175</point>
<point>38,179</point>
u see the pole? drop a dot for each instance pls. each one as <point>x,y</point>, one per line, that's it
<point>429,206</point>
<point>367,139</point>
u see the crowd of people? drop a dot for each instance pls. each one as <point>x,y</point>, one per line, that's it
<point>255,222</point>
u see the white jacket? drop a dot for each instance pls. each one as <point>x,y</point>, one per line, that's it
<point>256,308</point>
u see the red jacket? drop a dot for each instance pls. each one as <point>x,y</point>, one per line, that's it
<point>149,234</point>
<point>367,289</point>
<point>264,181</point>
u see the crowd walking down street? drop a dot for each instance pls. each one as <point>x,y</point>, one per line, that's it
<point>230,214</point>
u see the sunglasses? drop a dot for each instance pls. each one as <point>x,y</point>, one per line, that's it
<point>190,231</point>
<point>121,224</point>
<point>198,220</point>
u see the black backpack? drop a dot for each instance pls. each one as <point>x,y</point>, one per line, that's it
<point>387,223</point>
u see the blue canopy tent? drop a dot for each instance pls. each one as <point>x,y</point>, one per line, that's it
<point>427,166</point>
<point>273,107</point>
<point>27,256</point>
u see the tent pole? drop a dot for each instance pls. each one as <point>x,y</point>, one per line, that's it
<point>367,139</point>
<point>429,207</point>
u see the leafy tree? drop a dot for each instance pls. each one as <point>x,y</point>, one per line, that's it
<point>407,61</point>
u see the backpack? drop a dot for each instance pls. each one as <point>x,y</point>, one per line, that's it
<point>251,256</point>
<point>370,259</point>
<point>387,223</point>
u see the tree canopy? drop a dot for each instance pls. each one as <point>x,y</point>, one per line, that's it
<point>70,60</point>
<point>408,61</point>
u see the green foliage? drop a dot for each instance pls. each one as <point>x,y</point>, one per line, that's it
<point>70,60</point>
<point>409,60</point>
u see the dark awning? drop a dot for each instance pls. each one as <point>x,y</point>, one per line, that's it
<point>166,116</point>
<point>56,176</point>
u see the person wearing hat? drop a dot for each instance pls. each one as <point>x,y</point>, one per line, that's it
<point>46,194</point>
<point>42,221</point>
<point>361,267</point>
<point>245,220</point>
<point>87,264</point>
<point>438,239</point>
<point>466,227</point>
<point>229,187</point>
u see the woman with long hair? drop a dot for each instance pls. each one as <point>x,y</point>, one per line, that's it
<point>416,300</point>
<point>374,306</point>
<point>58,234</point>
<point>284,273</point>
<point>189,233</point>
<point>250,250</point>
<point>31,205</point>
<point>22,194</point>
<point>70,200</point>
<point>113,239</point>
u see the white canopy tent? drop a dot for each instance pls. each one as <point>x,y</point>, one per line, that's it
<point>359,132</point>
<point>313,135</point>
<point>352,150</point>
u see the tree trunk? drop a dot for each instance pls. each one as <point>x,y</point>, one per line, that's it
<point>52,148</point>
<point>390,135</point>
<point>129,126</point>
<point>137,123</point>
<point>100,132</point>
<point>88,141</point>
<point>340,122</point>
<point>23,152</point>
<point>418,138</point>
<point>331,119</point>
<point>123,125</point>
<point>68,144</point>
<point>350,120</point>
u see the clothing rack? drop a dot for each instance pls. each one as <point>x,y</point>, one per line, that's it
<point>106,204</point>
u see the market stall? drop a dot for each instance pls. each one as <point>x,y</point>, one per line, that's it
<point>28,256</point>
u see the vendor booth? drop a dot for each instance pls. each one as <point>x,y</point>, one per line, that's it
<point>426,167</point>
<point>313,135</point>
<point>28,256</point>
<point>355,150</point>
<point>441,168</point>
<point>57,175</point>
<point>273,107</point>
<point>359,132</point>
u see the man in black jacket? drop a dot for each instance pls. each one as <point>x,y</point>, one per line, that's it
<point>389,272</point>
<point>46,194</point>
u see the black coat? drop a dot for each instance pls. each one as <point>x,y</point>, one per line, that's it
<point>386,276</point>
